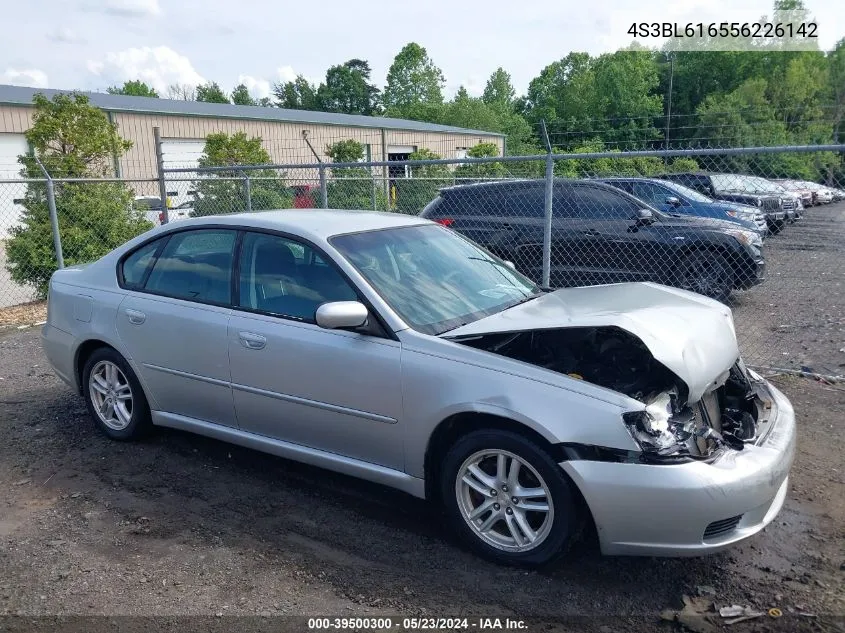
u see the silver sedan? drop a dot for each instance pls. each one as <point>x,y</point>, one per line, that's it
<point>391,348</point>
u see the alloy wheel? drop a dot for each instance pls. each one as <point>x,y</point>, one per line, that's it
<point>504,500</point>
<point>111,395</point>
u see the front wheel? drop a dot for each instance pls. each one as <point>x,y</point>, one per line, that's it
<point>708,274</point>
<point>508,499</point>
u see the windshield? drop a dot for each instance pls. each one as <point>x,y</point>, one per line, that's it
<point>433,278</point>
<point>767,186</point>
<point>688,193</point>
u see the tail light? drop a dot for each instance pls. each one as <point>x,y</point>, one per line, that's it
<point>161,217</point>
<point>445,221</point>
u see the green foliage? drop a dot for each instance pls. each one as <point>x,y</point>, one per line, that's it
<point>225,190</point>
<point>299,94</point>
<point>211,93</point>
<point>483,170</point>
<point>346,151</point>
<point>644,166</point>
<point>72,138</point>
<point>134,88</point>
<point>499,89</point>
<point>94,218</point>
<point>351,187</point>
<point>347,89</point>
<point>412,194</point>
<point>412,79</point>
<point>241,96</point>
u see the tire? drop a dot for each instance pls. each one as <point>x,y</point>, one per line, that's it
<point>114,396</point>
<point>708,273</point>
<point>554,530</point>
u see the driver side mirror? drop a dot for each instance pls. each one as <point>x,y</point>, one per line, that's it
<point>672,200</point>
<point>644,216</point>
<point>338,315</point>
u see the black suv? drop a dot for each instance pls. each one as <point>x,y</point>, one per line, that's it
<point>730,187</point>
<point>600,235</point>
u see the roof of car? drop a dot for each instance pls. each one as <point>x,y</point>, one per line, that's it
<point>316,224</point>
<point>516,184</point>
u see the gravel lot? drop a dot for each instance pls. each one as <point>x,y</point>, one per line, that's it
<point>182,525</point>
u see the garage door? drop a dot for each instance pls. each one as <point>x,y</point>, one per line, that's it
<point>181,153</point>
<point>11,146</point>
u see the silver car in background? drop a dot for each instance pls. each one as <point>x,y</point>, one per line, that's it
<point>393,349</point>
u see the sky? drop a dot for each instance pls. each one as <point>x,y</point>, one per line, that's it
<point>92,44</point>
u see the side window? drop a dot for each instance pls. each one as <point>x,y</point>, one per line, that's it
<point>593,202</point>
<point>134,268</point>
<point>527,202</point>
<point>284,277</point>
<point>195,265</point>
<point>650,192</point>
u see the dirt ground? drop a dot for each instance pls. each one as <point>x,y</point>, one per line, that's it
<point>182,526</point>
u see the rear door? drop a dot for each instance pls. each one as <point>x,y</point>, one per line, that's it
<point>173,322</point>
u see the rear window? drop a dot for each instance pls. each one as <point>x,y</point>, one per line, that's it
<point>525,202</point>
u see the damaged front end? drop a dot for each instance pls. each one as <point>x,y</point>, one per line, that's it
<point>727,417</point>
<point>669,428</point>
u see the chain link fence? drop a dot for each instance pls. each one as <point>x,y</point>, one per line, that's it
<point>762,229</point>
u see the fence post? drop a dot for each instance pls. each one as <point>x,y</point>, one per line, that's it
<point>324,192</point>
<point>247,192</point>
<point>162,185</point>
<point>385,170</point>
<point>54,216</point>
<point>373,190</point>
<point>547,207</point>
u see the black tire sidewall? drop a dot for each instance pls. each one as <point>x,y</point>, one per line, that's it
<point>567,512</point>
<point>139,423</point>
<point>724,291</point>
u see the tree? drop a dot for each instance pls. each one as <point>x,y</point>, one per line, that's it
<point>412,79</point>
<point>347,89</point>
<point>211,92</point>
<point>499,89</point>
<point>483,170</point>
<point>241,96</point>
<point>412,194</point>
<point>182,92</point>
<point>351,187</point>
<point>225,191</point>
<point>72,139</point>
<point>299,94</point>
<point>134,88</point>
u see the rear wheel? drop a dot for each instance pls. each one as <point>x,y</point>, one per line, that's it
<point>707,273</point>
<point>114,396</point>
<point>508,499</point>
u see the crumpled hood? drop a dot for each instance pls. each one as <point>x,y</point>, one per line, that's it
<point>691,335</point>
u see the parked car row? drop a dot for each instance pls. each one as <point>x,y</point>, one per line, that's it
<point>698,231</point>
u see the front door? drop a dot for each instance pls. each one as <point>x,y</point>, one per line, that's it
<point>292,380</point>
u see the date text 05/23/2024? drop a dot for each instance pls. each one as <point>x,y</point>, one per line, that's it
<point>376,623</point>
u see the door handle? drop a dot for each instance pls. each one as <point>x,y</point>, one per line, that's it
<point>135,317</point>
<point>251,340</point>
<point>591,232</point>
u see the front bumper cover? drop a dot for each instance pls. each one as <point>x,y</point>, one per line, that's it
<point>664,510</point>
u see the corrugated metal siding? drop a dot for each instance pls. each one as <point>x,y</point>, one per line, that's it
<point>283,140</point>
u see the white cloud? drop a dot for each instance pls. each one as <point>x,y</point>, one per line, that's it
<point>258,88</point>
<point>286,74</point>
<point>134,8</point>
<point>158,67</point>
<point>31,77</point>
<point>65,35</point>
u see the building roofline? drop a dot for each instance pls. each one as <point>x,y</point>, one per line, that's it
<point>22,97</point>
